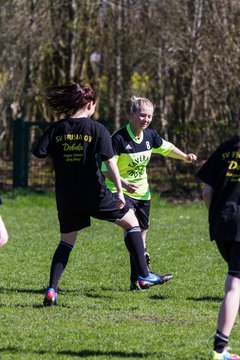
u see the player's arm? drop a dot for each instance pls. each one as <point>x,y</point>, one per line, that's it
<point>43,147</point>
<point>168,149</point>
<point>176,153</point>
<point>3,233</point>
<point>207,194</point>
<point>131,188</point>
<point>114,176</point>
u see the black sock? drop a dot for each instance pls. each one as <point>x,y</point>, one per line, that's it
<point>134,244</point>
<point>220,341</point>
<point>133,269</point>
<point>59,262</point>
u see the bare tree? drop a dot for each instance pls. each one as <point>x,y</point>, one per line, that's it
<point>183,55</point>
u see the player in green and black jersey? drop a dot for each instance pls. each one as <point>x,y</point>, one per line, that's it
<point>133,146</point>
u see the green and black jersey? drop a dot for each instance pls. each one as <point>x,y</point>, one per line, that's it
<point>133,155</point>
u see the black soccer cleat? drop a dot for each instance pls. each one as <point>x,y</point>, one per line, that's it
<point>165,278</point>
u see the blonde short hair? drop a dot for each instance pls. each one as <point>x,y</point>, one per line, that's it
<point>138,101</point>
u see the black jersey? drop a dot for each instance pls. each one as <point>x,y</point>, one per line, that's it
<point>73,145</point>
<point>222,173</point>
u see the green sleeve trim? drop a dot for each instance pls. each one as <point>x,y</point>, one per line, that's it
<point>133,137</point>
<point>164,149</point>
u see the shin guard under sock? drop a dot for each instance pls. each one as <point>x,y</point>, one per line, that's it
<point>59,262</point>
<point>134,244</point>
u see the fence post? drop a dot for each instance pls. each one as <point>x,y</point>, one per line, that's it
<point>20,153</point>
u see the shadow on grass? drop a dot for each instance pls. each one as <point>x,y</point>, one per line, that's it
<point>81,354</point>
<point>207,298</point>
<point>2,306</point>
<point>33,306</point>
<point>90,293</point>
<point>96,296</point>
<point>16,290</point>
<point>159,297</point>
<point>119,354</point>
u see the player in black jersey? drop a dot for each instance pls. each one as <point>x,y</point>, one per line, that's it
<point>73,142</point>
<point>221,193</point>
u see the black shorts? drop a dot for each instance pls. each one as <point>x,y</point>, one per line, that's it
<point>230,251</point>
<point>142,210</point>
<point>71,219</point>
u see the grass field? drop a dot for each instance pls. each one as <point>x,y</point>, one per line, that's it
<point>98,317</point>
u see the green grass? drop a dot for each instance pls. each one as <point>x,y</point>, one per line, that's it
<point>98,317</point>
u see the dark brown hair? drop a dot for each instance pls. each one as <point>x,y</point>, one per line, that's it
<point>65,100</point>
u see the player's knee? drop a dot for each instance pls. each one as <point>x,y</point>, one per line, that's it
<point>232,284</point>
<point>69,238</point>
<point>234,273</point>
<point>129,220</point>
<point>132,219</point>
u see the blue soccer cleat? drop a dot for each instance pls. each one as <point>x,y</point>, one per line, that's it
<point>153,279</point>
<point>50,297</point>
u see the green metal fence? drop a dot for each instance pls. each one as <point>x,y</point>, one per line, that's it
<point>20,171</point>
<point>26,173</point>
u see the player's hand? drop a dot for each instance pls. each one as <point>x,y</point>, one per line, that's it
<point>3,233</point>
<point>191,158</point>
<point>121,200</point>
<point>131,188</point>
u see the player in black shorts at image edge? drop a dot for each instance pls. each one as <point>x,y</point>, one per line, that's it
<point>221,194</point>
<point>73,142</point>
